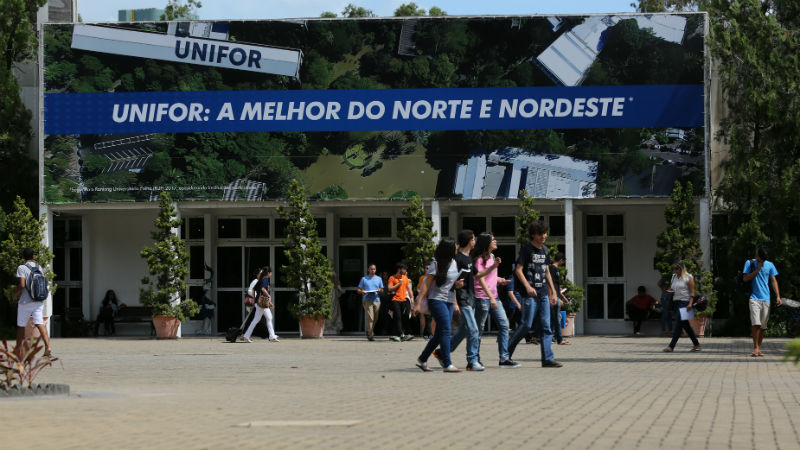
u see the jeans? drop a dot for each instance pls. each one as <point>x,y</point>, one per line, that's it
<point>529,308</point>
<point>682,324</point>
<point>468,328</point>
<point>555,324</point>
<point>482,312</point>
<point>441,312</point>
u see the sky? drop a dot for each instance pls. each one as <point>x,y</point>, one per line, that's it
<point>106,10</point>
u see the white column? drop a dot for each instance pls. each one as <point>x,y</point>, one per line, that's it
<point>208,258</point>
<point>177,232</point>
<point>705,231</point>
<point>47,240</point>
<point>436,217</point>
<point>569,236</point>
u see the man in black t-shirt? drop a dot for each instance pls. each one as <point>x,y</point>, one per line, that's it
<point>536,287</point>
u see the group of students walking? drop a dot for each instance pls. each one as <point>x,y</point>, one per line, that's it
<point>463,280</point>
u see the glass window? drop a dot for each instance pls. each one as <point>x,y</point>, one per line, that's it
<point>351,227</point>
<point>254,259</point>
<point>196,294</point>
<point>182,230</point>
<point>257,228</point>
<point>476,224</point>
<point>59,231</point>
<point>594,225</point>
<point>59,263</point>
<point>557,226</point>
<point>60,302</point>
<point>196,262</point>
<point>76,264</point>
<point>277,272</point>
<point>595,308</point>
<point>351,265</point>
<point>74,230</point>
<point>197,228</point>
<point>379,227</point>
<point>507,255</point>
<point>229,267</point>
<point>594,259</point>
<point>503,226</point>
<point>280,228</point>
<point>229,309</point>
<point>444,223</point>
<point>401,223</point>
<point>229,228</point>
<point>616,301</point>
<point>322,226</point>
<point>615,260</point>
<point>76,298</point>
<point>615,225</point>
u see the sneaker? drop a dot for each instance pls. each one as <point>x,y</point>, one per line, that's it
<point>423,366</point>
<point>508,364</point>
<point>451,369</point>
<point>438,358</point>
<point>475,367</point>
<point>275,339</point>
<point>637,333</point>
<point>552,363</point>
<point>696,348</point>
<point>407,337</point>
<point>244,339</point>
<point>668,349</point>
<point>394,338</point>
<point>370,338</point>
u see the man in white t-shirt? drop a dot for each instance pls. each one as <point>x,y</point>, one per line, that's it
<point>27,307</point>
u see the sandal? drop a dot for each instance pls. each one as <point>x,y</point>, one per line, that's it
<point>423,366</point>
<point>565,343</point>
<point>668,349</point>
<point>49,355</point>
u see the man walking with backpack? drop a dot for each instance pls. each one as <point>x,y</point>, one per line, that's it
<point>32,292</point>
<point>762,273</point>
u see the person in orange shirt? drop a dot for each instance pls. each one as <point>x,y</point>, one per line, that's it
<point>400,285</point>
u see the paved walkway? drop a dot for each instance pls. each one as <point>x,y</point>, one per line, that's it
<point>347,393</point>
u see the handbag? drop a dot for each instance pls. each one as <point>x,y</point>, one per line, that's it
<point>423,306</point>
<point>263,302</point>
<point>249,301</point>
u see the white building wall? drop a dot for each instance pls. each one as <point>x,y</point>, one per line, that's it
<point>113,256</point>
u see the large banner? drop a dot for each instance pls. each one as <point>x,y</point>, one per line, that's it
<point>456,108</point>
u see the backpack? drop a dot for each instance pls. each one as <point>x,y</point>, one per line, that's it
<point>744,287</point>
<point>37,284</point>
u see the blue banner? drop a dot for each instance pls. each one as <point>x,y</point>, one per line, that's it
<point>375,109</point>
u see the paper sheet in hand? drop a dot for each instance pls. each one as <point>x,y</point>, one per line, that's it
<point>687,314</point>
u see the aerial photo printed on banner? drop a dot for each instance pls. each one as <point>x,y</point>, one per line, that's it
<point>440,107</point>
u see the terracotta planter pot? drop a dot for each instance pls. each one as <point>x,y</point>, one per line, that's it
<point>166,327</point>
<point>569,330</point>
<point>312,327</point>
<point>698,326</point>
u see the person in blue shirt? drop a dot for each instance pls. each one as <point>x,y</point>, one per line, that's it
<point>762,273</point>
<point>370,288</point>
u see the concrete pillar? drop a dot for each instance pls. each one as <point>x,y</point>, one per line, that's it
<point>47,240</point>
<point>705,231</point>
<point>177,232</point>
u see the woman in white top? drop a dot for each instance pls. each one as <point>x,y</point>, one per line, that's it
<point>438,288</point>
<point>682,285</point>
<point>262,290</point>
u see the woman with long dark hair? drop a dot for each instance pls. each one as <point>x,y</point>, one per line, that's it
<point>486,295</point>
<point>108,309</point>
<point>438,289</point>
<point>262,290</point>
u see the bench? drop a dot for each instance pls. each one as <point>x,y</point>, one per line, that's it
<point>135,314</point>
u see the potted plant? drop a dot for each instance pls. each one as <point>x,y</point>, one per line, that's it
<point>167,267</point>
<point>680,242</point>
<point>308,270</point>
<point>573,292</point>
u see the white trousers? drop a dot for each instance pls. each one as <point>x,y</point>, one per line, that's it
<point>257,318</point>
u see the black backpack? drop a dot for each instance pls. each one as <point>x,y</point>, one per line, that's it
<point>37,284</point>
<point>744,287</point>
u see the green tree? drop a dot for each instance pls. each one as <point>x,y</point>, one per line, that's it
<point>573,292</point>
<point>167,266</point>
<point>409,10</point>
<point>307,269</point>
<point>20,230</point>
<point>352,11</point>
<point>664,5</point>
<point>177,9</point>
<point>681,242</point>
<point>527,215</point>
<point>18,43</point>
<point>418,235</point>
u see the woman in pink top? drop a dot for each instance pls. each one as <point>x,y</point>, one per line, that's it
<point>486,295</point>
